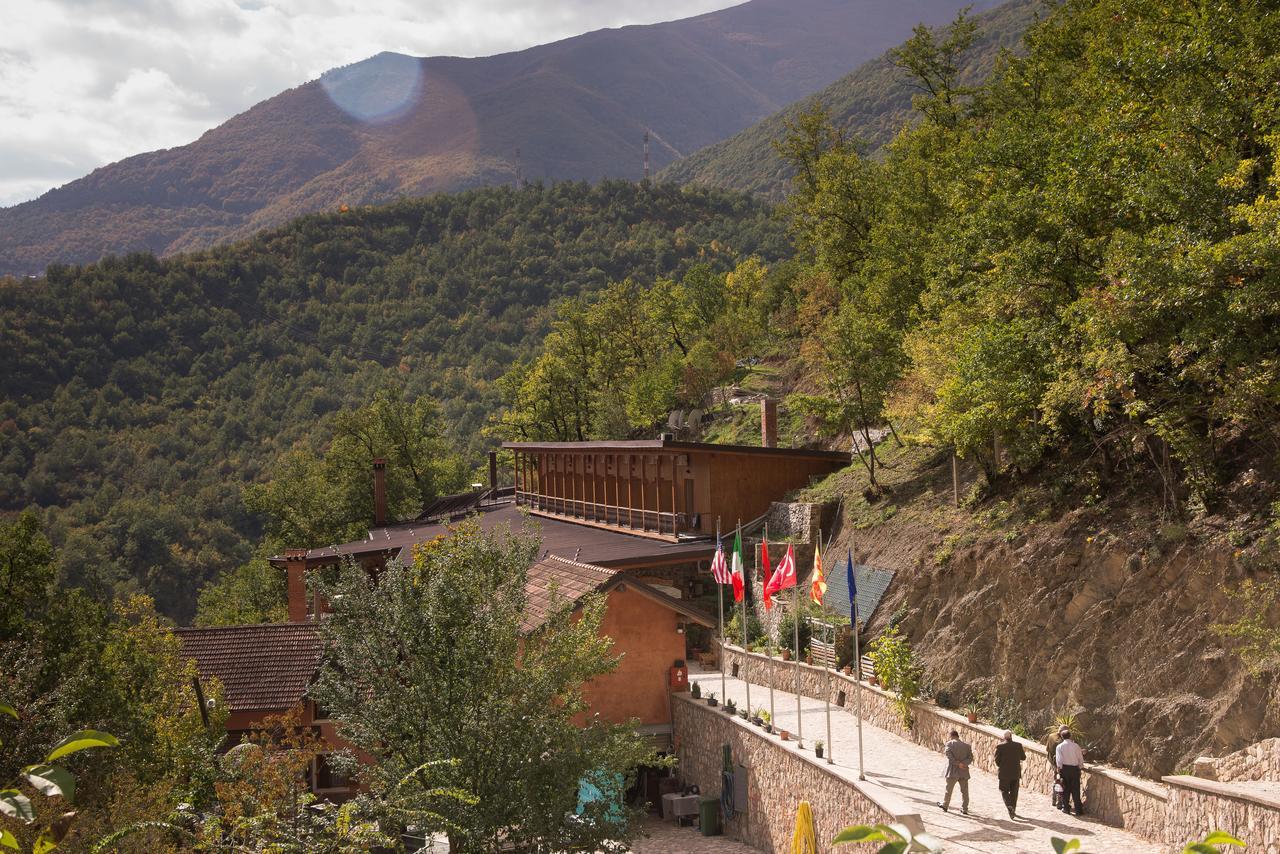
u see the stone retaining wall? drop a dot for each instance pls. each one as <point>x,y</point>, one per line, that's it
<point>1196,805</point>
<point>778,777</point>
<point>1114,797</point>
<point>1257,762</point>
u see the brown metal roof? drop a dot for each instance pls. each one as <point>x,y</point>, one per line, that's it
<point>649,445</point>
<point>586,543</point>
<point>261,667</point>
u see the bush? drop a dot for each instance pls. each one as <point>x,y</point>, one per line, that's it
<point>897,670</point>
<point>733,629</point>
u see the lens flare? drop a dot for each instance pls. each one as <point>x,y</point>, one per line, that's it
<point>379,89</point>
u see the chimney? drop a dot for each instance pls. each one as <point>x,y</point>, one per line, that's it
<point>295,571</point>
<point>379,492</point>
<point>768,423</point>
<point>493,470</point>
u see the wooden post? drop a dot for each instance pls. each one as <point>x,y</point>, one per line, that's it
<point>674,531</point>
<point>644,476</point>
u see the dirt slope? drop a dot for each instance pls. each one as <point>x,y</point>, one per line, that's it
<point>1053,595</point>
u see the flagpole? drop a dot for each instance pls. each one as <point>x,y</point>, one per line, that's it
<point>768,646</point>
<point>831,759</point>
<point>720,588</point>
<point>745,634</point>
<point>795,604</point>
<point>857,664</point>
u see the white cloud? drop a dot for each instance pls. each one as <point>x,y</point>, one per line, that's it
<point>84,83</point>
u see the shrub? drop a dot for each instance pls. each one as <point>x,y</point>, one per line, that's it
<point>897,670</point>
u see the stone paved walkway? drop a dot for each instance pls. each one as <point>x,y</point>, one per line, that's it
<point>664,837</point>
<point>914,774</point>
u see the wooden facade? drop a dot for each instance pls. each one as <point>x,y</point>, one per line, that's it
<point>660,488</point>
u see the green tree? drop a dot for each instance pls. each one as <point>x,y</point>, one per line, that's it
<point>431,665</point>
<point>251,593</point>
<point>315,499</point>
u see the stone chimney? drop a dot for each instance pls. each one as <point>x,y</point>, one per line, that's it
<point>493,470</point>
<point>768,423</point>
<point>379,492</point>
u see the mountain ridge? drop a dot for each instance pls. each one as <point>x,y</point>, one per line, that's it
<point>576,109</point>
<point>872,103</point>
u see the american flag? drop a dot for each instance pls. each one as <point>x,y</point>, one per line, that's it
<point>719,569</point>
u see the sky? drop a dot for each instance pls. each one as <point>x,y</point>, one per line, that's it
<point>84,83</point>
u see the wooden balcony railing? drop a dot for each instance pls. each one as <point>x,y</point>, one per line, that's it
<point>630,518</point>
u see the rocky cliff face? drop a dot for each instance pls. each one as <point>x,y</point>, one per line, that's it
<point>1100,610</point>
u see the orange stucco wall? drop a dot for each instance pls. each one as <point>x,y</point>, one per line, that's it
<point>644,635</point>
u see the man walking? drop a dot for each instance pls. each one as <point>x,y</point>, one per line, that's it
<point>1070,762</point>
<point>959,756</point>
<point>1051,752</point>
<point>1009,758</point>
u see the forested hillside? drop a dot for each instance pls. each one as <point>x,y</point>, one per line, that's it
<point>576,109</point>
<point>1067,276</point>
<point>870,105</point>
<point>141,395</point>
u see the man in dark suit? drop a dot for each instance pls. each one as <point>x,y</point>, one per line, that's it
<point>1009,759</point>
<point>959,758</point>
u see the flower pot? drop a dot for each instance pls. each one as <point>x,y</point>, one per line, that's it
<point>758,721</point>
<point>786,655</point>
<point>742,713</point>
<point>768,728</point>
<point>817,751</point>
<point>713,702</point>
<point>784,735</point>
<point>972,716</point>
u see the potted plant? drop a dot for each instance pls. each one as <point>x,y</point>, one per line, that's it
<point>711,698</point>
<point>847,670</point>
<point>730,707</point>
<point>695,690</point>
<point>817,748</point>
<point>784,735</point>
<point>758,717</point>
<point>786,654</point>
<point>971,711</point>
<point>768,720</point>
<point>742,713</point>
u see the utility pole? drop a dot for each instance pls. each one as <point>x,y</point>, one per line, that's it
<point>646,155</point>
<point>519,171</point>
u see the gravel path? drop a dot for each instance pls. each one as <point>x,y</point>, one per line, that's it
<point>914,774</point>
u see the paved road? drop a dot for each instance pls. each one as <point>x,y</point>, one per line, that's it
<point>914,774</point>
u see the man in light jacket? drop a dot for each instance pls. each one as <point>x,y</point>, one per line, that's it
<point>959,757</point>
<point>1070,763</point>
<point>1009,758</point>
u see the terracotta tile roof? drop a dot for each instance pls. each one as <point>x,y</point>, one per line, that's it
<point>266,666</point>
<point>555,580</point>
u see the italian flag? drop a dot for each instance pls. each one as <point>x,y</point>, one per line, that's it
<point>737,576</point>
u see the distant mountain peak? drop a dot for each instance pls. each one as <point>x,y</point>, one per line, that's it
<point>394,124</point>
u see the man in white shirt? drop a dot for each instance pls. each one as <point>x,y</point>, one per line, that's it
<point>1070,760</point>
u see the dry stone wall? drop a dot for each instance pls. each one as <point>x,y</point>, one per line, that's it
<point>1257,762</point>
<point>778,777</point>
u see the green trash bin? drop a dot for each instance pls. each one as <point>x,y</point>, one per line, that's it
<point>709,816</point>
